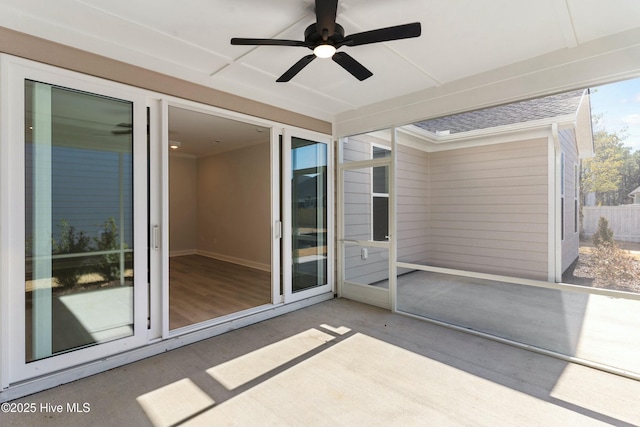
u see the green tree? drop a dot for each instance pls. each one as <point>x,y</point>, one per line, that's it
<point>611,170</point>
<point>109,265</point>
<point>604,235</point>
<point>630,175</point>
<point>68,271</point>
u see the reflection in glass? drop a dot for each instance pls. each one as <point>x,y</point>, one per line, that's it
<point>309,213</point>
<point>78,219</point>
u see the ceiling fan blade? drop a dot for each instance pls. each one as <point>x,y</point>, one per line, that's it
<point>297,67</point>
<point>351,65</point>
<point>267,42</point>
<point>326,11</point>
<point>383,35</point>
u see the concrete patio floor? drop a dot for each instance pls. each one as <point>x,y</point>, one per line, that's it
<point>596,328</point>
<point>341,363</point>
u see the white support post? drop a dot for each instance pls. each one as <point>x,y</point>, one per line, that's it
<point>393,235</point>
<point>555,218</point>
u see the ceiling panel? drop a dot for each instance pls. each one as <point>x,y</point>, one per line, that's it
<point>596,18</point>
<point>191,40</point>
<point>473,36</point>
<point>201,134</point>
<point>209,24</point>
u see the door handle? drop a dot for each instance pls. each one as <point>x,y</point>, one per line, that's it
<point>278,230</point>
<point>155,237</point>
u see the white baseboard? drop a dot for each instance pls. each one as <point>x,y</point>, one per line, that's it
<point>222,257</point>
<point>183,252</point>
<point>234,260</point>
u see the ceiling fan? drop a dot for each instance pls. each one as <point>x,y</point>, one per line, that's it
<point>326,36</point>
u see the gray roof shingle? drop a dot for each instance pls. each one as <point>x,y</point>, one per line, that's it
<point>517,112</point>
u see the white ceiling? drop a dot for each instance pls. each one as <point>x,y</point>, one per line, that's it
<point>202,135</point>
<point>191,40</point>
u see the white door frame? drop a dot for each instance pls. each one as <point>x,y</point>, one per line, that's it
<point>159,216</point>
<point>385,298</point>
<point>289,295</point>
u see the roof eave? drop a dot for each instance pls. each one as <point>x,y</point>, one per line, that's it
<point>564,122</point>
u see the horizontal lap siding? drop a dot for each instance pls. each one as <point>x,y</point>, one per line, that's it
<point>481,209</point>
<point>488,209</point>
<point>412,183</point>
<point>571,241</point>
<point>357,217</point>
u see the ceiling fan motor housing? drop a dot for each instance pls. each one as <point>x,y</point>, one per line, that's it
<point>313,38</point>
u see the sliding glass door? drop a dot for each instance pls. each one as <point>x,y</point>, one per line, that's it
<point>78,219</point>
<point>308,221</point>
<point>79,289</point>
<point>216,249</point>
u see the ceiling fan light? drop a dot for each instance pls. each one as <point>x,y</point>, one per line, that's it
<point>324,51</point>
<point>174,145</point>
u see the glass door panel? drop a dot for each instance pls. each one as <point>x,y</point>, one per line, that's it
<point>308,213</point>
<point>307,224</point>
<point>78,220</point>
<point>218,217</point>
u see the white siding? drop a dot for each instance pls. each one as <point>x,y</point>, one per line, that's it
<point>481,209</point>
<point>412,182</point>
<point>488,209</point>
<point>358,216</point>
<point>571,242</point>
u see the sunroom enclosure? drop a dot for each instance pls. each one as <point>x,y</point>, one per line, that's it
<point>482,225</point>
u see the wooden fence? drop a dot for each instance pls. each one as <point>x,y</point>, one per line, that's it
<point>623,220</point>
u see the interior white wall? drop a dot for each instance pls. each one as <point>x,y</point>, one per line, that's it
<point>234,202</point>
<point>183,203</point>
<point>219,206</point>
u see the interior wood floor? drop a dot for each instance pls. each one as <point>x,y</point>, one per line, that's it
<point>202,288</point>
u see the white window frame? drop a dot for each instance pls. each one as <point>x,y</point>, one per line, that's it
<point>374,194</point>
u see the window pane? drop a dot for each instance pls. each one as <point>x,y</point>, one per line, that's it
<point>380,152</point>
<point>78,219</point>
<point>380,181</point>
<point>381,218</point>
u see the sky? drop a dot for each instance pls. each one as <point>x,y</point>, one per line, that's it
<point>620,105</point>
